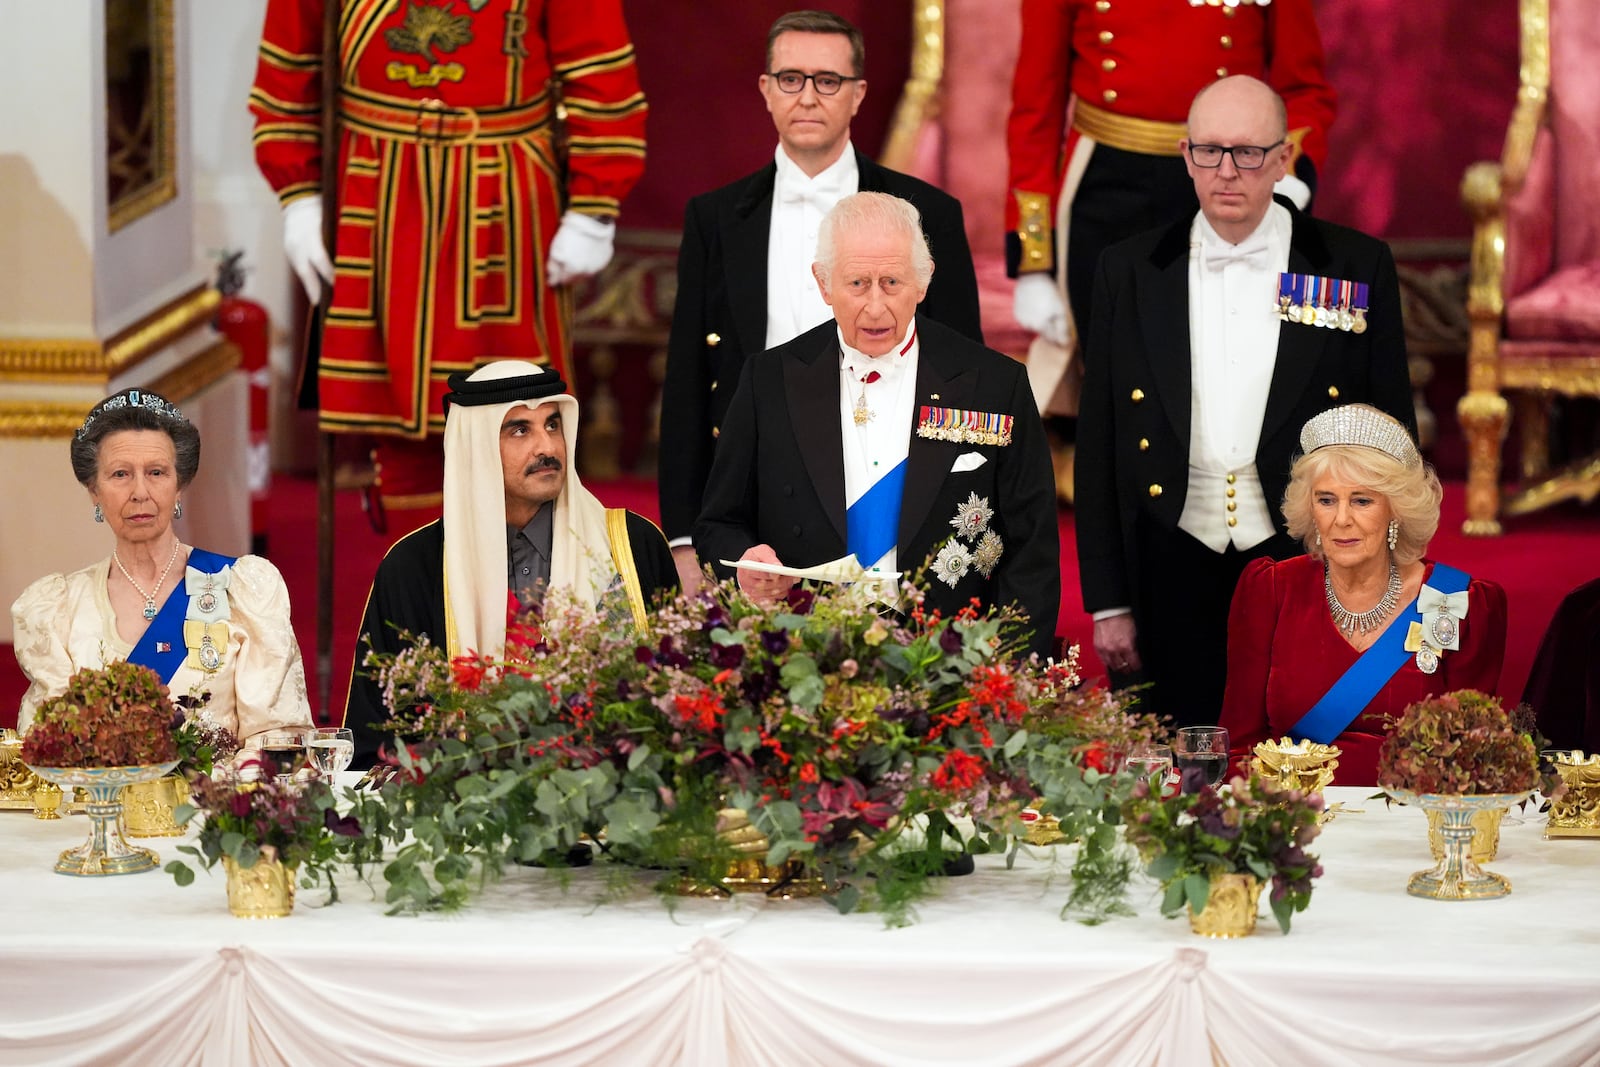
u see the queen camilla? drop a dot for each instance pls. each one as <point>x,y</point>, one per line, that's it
<point>1333,645</point>
<point>207,624</point>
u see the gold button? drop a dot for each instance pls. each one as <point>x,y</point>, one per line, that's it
<point>1333,392</point>
<point>1227,42</point>
<point>713,385</point>
<point>1106,36</point>
<point>1231,479</point>
<point>1102,6</point>
<point>1231,492</point>
<point>1109,96</point>
<point>1233,505</point>
<point>1144,444</point>
<point>1229,12</point>
<point>1108,64</point>
<point>1136,396</point>
<point>716,431</point>
<point>1222,72</point>
<point>1155,490</point>
<point>713,339</point>
<point>1233,520</point>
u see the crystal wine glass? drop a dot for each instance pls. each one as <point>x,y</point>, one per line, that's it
<point>284,750</point>
<point>1151,762</point>
<point>1205,747</point>
<point>331,749</point>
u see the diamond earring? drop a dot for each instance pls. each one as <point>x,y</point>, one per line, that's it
<point>1394,533</point>
<point>1319,540</point>
<point>99,516</point>
<point>177,512</point>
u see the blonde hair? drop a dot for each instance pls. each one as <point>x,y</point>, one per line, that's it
<point>1414,495</point>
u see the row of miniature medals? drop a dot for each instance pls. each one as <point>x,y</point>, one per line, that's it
<point>1316,301</point>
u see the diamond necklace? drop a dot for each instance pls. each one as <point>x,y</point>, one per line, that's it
<point>150,598</point>
<point>1348,622</point>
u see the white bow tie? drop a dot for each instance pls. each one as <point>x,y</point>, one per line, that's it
<point>1253,250</point>
<point>820,193</point>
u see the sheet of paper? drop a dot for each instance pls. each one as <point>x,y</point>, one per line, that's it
<point>845,569</point>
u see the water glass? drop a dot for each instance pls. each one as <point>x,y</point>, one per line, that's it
<point>331,749</point>
<point>1205,747</point>
<point>1153,763</point>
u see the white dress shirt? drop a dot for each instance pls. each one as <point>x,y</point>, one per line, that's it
<point>794,304</point>
<point>1233,342</point>
<point>875,447</point>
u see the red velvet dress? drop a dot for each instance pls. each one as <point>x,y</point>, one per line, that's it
<point>1284,653</point>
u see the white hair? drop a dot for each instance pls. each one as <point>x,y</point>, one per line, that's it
<point>866,211</point>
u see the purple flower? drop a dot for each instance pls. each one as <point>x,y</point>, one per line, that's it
<point>344,827</point>
<point>726,656</point>
<point>1218,824</point>
<point>776,642</point>
<point>950,641</point>
<point>1192,780</point>
<point>642,654</point>
<point>800,600</point>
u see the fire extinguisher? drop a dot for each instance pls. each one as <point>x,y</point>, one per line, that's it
<point>244,322</point>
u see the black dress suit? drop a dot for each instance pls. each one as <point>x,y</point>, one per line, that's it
<point>408,595</point>
<point>778,478</point>
<point>722,294</point>
<point>1133,436</point>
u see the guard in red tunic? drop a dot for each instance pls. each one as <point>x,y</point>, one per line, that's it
<point>459,219</point>
<point>1126,71</point>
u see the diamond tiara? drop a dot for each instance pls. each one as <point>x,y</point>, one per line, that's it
<point>1363,426</point>
<point>133,398</point>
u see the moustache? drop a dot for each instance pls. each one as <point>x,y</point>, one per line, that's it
<point>543,463</point>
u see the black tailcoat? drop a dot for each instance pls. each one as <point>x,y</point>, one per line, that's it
<point>720,318</point>
<point>778,478</point>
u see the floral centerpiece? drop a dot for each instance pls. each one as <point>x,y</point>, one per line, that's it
<point>1250,828</point>
<point>845,736</point>
<point>110,728</point>
<point>1464,759</point>
<point>253,819</point>
<point>202,741</point>
<point>119,715</point>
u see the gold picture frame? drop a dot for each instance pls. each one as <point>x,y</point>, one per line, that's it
<point>141,159</point>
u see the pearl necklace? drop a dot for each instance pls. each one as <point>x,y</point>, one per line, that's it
<point>1347,621</point>
<point>150,597</point>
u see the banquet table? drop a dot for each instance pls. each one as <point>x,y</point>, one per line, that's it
<point>136,969</point>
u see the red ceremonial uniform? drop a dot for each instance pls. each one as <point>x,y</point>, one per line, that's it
<point>450,188</point>
<point>1284,653</point>
<point>1137,64</point>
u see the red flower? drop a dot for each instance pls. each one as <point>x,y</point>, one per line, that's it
<point>703,710</point>
<point>1096,757</point>
<point>469,671</point>
<point>808,773</point>
<point>959,772</point>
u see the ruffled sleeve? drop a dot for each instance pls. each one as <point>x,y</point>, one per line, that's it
<point>269,679</point>
<point>40,621</point>
<point>1251,622</point>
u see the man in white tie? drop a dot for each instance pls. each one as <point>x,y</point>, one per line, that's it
<point>1213,341</point>
<point>889,436</point>
<point>744,267</point>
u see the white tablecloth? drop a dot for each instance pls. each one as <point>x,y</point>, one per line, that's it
<point>135,969</point>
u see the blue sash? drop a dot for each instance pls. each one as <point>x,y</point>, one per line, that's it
<point>161,648</point>
<point>872,523</point>
<point>1349,696</point>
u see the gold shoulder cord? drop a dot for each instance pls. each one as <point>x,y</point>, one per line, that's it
<point>622,557</point>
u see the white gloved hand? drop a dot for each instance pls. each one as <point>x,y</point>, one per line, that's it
<point>302,244</point>
<point>1291,186</point>
<point>582,247</point>
<point>1038,308</point>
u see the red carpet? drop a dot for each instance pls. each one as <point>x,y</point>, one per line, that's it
<point>1538,562</point>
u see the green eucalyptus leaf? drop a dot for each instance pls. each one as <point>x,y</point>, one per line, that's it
<point>1197,887</point>
<point>1283,911</point>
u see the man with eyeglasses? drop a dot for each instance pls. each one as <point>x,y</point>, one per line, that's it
<point>1214,340</point>
<point>744,267</point>
<point>1098,99</point>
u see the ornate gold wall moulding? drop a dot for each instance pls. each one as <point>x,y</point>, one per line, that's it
<point>141,119</point>
<point>26,359</point>
<point>55,419</point>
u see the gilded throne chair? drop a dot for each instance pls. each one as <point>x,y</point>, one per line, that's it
<point>1534,292</point>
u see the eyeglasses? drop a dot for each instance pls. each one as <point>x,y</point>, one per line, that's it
<point>827,83</point>
<point>1245,156</point>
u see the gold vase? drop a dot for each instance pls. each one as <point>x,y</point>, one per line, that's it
<point>148,807</point>
<point>749,871</point>
<point>1576,813</point>
<point>262,891</point>
<point>1230,909</point>
<point>1457,875</point>
<point>1485,834</point>
<point>46,801</point>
